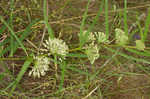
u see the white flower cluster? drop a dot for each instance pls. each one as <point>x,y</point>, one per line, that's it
<point>41,65</point>
<point>92,52</point>
<point>101,37</point>
<point>91,49</point>
<point>56,46</point>
<point>121,37</point>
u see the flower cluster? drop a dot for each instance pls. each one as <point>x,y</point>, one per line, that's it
<point>92,52</point>
<point>56,46</point>
<point>101,37</point>
<point>41,65</point>
<point>91,48</point>
<point>140,45</point>
<point>121,37</point>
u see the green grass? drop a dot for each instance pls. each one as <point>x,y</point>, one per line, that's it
<point>13,34</point>
<point>106,19</point>
<point>146,29</point>
<point>11,25</point>
<point>24,35</point>
<point>125,17</point>
<point>81,37</point>
<point>121,70</point>
<point>45,10</point>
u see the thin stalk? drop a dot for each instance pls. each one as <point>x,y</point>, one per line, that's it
<point>55,63</point>
<point>125,17</point>
<point>45,9</point>
<point>11,25</point>
<point>82,38</point>
<point>106,19</point>
<point>147,23</point>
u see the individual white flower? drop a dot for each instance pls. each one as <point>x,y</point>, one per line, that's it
<point>101,37</point>
<point>92,52</point>
<point>121,37</point>
<point>41,65</point>
<point>56,46</point>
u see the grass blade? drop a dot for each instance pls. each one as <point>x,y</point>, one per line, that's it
<point>147,23</point>
<point>106,19</point>
<point>97,16</point>
<point>81,37</point>
<point>76,55</point>
<point>11,25</point>
<point>93,24</point>
<point>63,70</point>
<point>125,17</point>
<point>21,73</point>
<point>50,31</point>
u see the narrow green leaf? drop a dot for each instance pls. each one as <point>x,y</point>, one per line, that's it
<point>106,19</point>
<point>84,37</point>
<point>63,70</point>
<point>81,37</point>
<point>77,55</point>
<point>11,25</point>
<point>21,73</point>
<point>147,23</point>
<point>50,31</point>
<point>125,18</point>
<point>97,16</point>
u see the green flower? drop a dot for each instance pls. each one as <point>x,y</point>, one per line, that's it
<point>56,46</point>
<point>140,45</point>
<point>92,52</point>
<point>121,37</point>
<point>41,65</point>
